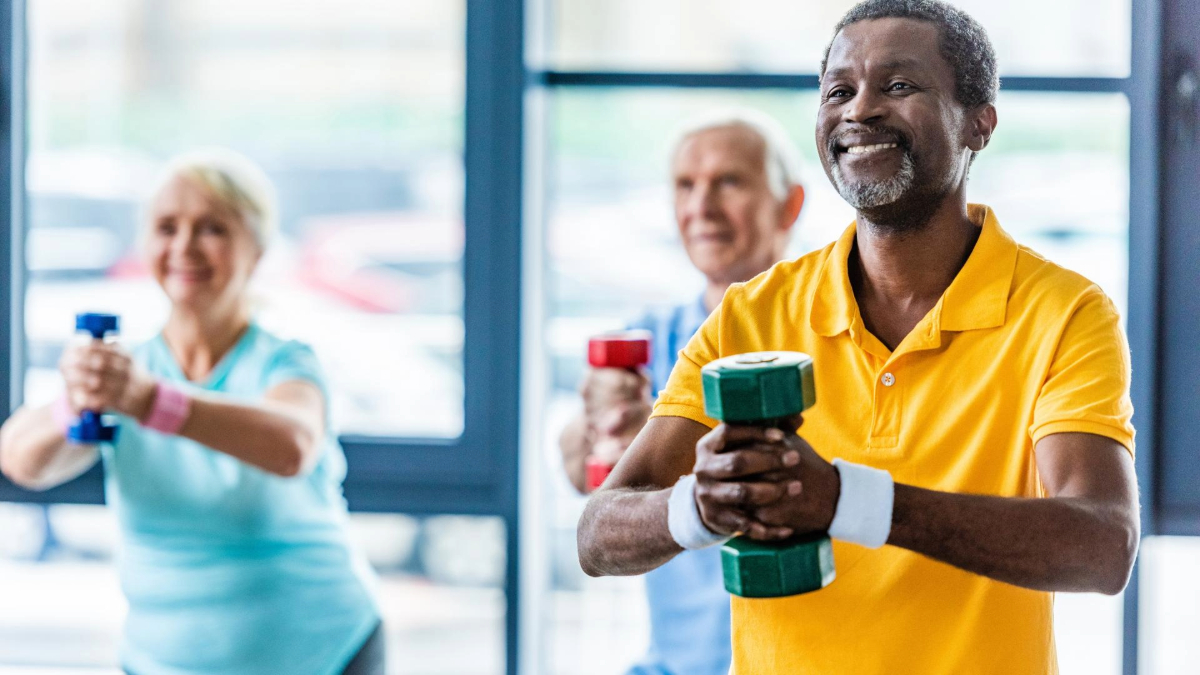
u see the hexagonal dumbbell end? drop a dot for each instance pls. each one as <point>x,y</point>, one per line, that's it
<point>91,428</point>
<point>759,387</point>
<point>623,349</point>
<point>765,389</point>
<point>97,325</point>
<point>759,569</point>
<point>597,472</point>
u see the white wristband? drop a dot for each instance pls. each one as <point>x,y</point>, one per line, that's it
<point>683,517</point>
<point>864,509</point>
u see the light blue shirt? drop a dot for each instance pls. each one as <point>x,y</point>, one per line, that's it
<point>689,608</point>
<point>229,569</point>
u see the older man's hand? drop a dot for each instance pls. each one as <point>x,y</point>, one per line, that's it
<point>616,404</point>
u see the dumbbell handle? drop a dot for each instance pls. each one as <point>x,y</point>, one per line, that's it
<point>90,427</point>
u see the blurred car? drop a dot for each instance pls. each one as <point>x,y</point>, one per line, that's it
<point>385,262</point>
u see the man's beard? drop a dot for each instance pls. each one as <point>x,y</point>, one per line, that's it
<point>876,194</point>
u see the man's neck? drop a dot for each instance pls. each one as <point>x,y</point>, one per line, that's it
<point>713,292</point>
<point>899,273</point>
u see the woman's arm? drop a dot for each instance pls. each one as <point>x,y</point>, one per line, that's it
<point>281,435</point>
<point>35,454</point>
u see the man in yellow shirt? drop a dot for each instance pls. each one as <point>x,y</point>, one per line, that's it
<point>970,451</point>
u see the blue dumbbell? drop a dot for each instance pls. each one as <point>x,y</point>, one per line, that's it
<point>91,427</point>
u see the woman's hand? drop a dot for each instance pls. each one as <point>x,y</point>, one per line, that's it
<point>102,376</point>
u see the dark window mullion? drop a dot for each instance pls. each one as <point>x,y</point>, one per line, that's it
<point>798,81</point>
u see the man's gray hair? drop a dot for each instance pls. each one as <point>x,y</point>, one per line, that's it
<point>781,159</point>
<point>965,44</point>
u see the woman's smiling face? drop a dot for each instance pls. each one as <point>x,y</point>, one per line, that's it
<point>198,249</point>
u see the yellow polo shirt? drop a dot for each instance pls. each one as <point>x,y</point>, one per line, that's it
<point>1016,349</point>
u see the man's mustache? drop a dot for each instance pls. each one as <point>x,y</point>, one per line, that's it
<point>900,138</point>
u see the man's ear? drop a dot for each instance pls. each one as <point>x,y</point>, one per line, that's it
<point>981,124</point>
<point>792,206</point>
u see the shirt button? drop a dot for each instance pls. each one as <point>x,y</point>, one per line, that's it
<point>888,379</point>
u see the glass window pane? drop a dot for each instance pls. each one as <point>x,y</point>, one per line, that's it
<point>440,590</point>
<point>1088,633</point>
<point>1072,37</point>
<point>1170,612</point>
<point>363,147</point>
<point>1056,173</point>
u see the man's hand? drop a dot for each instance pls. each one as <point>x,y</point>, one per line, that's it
<point>765,483</point>
<point>739,469</point>
<point>616,404</point>
<point>606,389</point>
<point>612,433</point>
<point>811,501</point>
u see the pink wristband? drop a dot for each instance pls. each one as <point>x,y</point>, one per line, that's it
<point>64,414</point>
<point>170,411</point>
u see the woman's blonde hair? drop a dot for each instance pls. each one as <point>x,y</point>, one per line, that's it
<point>235,181</point>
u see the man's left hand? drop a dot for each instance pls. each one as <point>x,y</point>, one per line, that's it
<point>811,495</point>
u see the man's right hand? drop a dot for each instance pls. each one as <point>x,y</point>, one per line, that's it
<point>739,469</point>
<point>616,404</point>
<point>606,388</point>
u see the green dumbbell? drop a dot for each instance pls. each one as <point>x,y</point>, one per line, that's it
<point>765,389</point>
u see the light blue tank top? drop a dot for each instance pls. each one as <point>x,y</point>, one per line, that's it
<point>229,569</point>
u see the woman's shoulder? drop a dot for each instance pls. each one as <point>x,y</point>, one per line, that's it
<point>282,357</point>
<point>268,342</point>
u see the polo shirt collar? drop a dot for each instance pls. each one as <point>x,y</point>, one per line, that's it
<point>977,298</point>
<point>833,308</point>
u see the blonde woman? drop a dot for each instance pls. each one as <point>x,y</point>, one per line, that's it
<point>225,477</point>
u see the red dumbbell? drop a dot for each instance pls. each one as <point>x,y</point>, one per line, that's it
<point>624,349</point>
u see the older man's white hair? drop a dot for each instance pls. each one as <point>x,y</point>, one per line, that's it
<point>235,181</point>
<point>781,159</point>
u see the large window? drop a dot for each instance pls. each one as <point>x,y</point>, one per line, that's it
<point>364,148</point>
<point>1069,37</point>
<point>384,263</point>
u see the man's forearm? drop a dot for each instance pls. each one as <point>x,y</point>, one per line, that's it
<point>1056,544</point>
<point>624,532</point>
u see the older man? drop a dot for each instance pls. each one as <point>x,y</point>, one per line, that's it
<point>737,195</point>
<point>973,397</point>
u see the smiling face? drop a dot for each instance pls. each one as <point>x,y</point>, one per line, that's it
<point>198,249</point>
<point>890,132</point>
<point>732,225</point>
